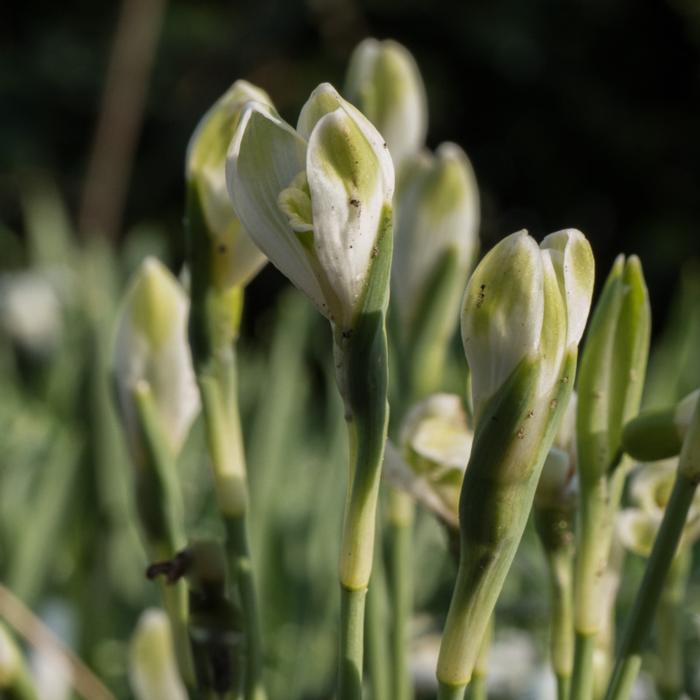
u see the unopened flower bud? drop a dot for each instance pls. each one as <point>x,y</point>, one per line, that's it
<point>151,349</point>
<point>153,672</point>
<point>384,82</point>
<point>233,258</point>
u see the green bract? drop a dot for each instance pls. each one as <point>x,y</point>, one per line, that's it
<point>384,82</point>
<point>151,348</point>
<point>315,199</point>
<point>235,258</point>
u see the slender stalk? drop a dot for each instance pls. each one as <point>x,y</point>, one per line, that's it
<point>238,552</point>
<point>629,656</point>
<point>583,678</point>
<point>562,618</point>
<point>377,638</point>
<point>669,620</point>
<point>352,615</point>
<point>450,692</point>
<point>401,517</point>
<point>477,688</point>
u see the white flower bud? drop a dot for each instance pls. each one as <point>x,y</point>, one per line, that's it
<point>437,210</point>
<point>315,199</point>
<point>151,346</point>
<point>384,82</point>
<point>153,673</point>
<point>437,442</point>
<point>525,301</point>
<point>237,259</point>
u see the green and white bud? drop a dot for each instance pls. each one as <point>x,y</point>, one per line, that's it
<point>436,239</point>
<point>316,200</point>
<point>658,434</point>
<point>15,681</point>
<point>153,673</point>
<point>522,303</point>
<point>384,82</point>
<point>524,311</point>
<point>234,258</point>
<point>613,366</point>
<point>436,442</point>
<point>151,349</point>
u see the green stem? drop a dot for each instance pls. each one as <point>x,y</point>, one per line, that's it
<point>376,623</point>
<point>629,656</point>
<point>450,692</point>
<point>352,615</point>
<point>477,688</point>
<point>242,566</point>
<point>582,681</point>
<point>401,517</point>
<point>669,637</point>
<point>562,615</point>
<point>563,686</point>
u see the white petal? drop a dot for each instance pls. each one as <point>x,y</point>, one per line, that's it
<point>573,259</point>
<point>437,209</point>
<point>265,156</point>
<point>151,345</point>
<point>503,312</point>
<point>348,198</point>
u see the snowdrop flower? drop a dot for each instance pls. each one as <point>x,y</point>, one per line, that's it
<point>437,214</point>
<point>151,347</point>
<point>384,82</point>
<point>235,258</point>
<point>436,443</point>
<point>526,301</point>
<point>315,199</point>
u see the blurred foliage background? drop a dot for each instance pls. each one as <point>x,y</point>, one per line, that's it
<point>582,113</point>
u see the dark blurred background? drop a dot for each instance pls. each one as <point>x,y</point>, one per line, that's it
<point>583,113</point>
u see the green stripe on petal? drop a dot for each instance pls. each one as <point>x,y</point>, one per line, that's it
<point>347,198</point>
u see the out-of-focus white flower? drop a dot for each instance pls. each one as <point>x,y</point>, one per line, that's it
<point>315,199</point>
<point>30,311</point>
<point>151,346</point>
<point>437,211</point>
<point>436,443</point>
<point>526,301</point>
<point>236,259</point>
<point>650,490</point>
<point>384,82</point>
<point>153,673</point>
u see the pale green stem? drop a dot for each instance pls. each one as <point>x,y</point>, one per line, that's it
<point>477,689</point>
<point>242,567</point>
<point>450,692</point>
<point>669,638</point>
<point>582,681</point>
<point>401,517</point>
<point>562,619</point>
<point>599,505</point>
<point>377,638</point>
<point>629,656</point>
<point>352,616</point>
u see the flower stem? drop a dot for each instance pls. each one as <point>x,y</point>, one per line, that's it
<point>352,614</point>
<point>401,516</point>
<point>377,638</point>
<point>242,567</point>
<point>583,677</point>
<point>477,688</point>
<point>629,656</point>
<point>450,692</point>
